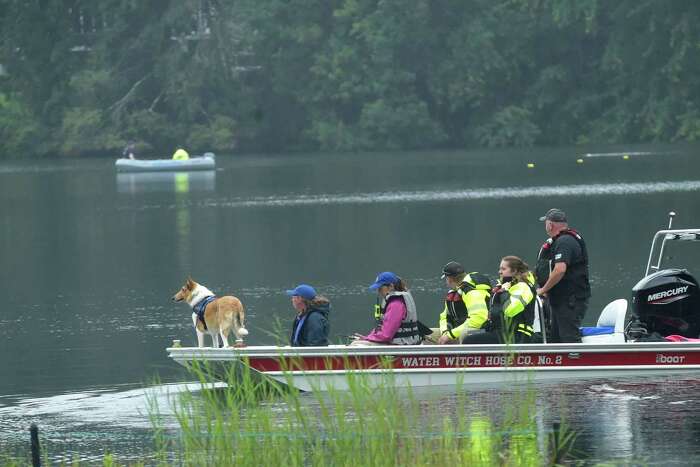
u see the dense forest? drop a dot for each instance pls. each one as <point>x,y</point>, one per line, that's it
<point>83,77</point>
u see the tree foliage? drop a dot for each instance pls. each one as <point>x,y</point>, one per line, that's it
<point>86,77</point>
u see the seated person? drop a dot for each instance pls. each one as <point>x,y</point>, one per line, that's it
<point>397,316</point>
<point>129,151</point>
<point>466,308</point>
<point>310,326</point>
<point>180,155</point>
<point>512,311</point>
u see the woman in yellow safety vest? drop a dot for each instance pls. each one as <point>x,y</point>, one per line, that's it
<point>512,310</point>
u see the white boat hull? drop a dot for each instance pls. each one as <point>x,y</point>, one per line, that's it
<point>165,165</point>
<point>323,368</point>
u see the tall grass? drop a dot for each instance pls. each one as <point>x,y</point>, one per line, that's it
<point>259,423</point>
<point>256,423</point>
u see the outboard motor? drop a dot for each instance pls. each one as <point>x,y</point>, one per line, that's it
<point>667,302</point>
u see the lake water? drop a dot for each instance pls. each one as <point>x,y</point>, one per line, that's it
<point>90,259</point>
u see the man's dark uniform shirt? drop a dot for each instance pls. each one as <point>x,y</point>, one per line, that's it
<point>567,249</point>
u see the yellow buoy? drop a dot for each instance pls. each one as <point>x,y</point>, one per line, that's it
<point>579,161</point>
<point>530,165</point>
<point>626,156</point>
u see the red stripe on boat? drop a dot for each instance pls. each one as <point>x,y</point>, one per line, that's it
<point>484,360</point>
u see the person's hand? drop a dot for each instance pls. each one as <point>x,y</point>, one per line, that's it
<point>444,339</point>
<point>541,292</point>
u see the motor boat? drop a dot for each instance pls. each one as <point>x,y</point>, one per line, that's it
<point>627,341</point>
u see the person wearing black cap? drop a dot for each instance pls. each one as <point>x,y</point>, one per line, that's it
<point>562,274</point>
<point>310,326</point>
<point>466,303</point>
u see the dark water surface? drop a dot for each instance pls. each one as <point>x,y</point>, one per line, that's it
<point>90,260</point>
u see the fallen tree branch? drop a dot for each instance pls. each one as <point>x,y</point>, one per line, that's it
<point>119,105</point>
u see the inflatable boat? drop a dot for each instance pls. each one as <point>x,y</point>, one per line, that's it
<point>205,162</point>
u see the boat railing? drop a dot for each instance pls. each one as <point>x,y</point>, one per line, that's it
<point>660,239</point>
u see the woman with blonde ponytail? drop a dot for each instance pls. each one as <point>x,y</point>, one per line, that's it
<point>512,310</point>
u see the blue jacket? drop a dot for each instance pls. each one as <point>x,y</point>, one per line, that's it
<point>311,328</point>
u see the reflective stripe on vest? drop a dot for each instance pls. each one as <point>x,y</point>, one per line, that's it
<point>515,306</point>
<point>520,296</point>
<point>520,308</point>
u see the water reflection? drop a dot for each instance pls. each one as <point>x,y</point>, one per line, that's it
<point>614,418</point>
<point>641,420</point>
<point>183,225</point>
<point>179,182</point>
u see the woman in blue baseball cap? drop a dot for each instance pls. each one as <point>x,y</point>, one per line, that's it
<point>310,326</point>
<point>397,316</point>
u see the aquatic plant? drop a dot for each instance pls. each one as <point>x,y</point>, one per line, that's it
<point>258,422</point>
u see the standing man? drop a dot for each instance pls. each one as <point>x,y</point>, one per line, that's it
<point>567,286</point>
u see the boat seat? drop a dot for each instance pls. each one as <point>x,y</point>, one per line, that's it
<point>610,326</point>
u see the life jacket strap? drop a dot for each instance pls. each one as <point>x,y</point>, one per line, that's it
<point>200,307</point>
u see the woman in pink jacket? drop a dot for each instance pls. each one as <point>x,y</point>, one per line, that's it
<point>398,319</point>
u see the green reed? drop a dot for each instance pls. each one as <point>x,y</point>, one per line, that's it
<point>256,422</point>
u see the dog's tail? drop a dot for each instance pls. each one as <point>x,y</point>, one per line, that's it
<point>240,325</point>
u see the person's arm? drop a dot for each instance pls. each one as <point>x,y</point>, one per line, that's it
<point>445,336</point>
<point>394,314</point>
<point>520,295</point>
<point>564,250</point>
<point>443,321</point>
<point>554,277</point>
<point>316,330</point>
<point>477,312</point>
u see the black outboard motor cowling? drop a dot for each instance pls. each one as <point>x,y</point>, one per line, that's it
<point>668,302</point>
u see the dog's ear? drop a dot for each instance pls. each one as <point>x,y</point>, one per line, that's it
<point>190,283</point>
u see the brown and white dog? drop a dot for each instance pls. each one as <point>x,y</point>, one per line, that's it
<point>212,315</point>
